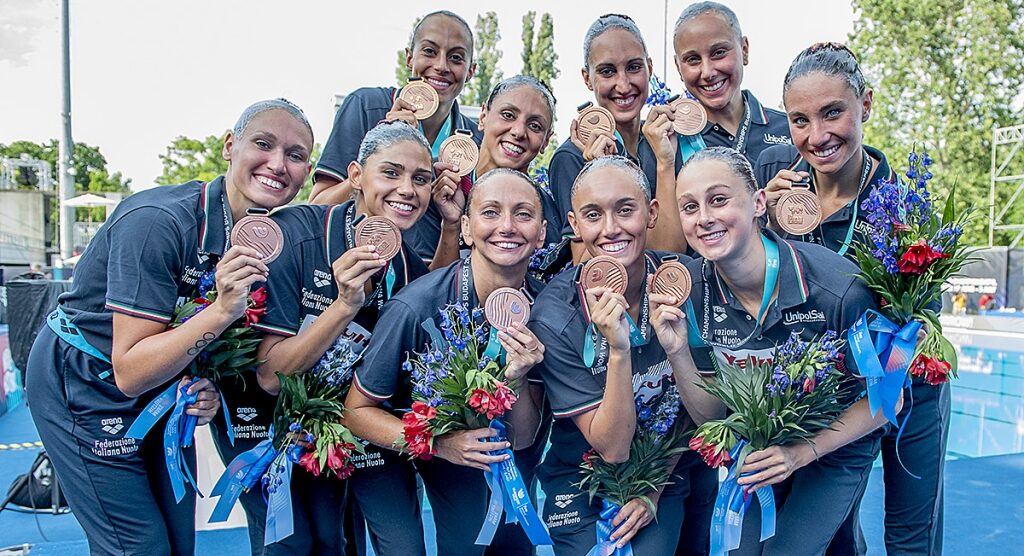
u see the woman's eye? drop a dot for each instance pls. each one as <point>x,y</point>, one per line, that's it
<point>718,53</point>
<point>692,60</point>
<point>420,180</point>
<point>591,215</point>
<point>633,68</point>
<point>833,113</point>
<point>800,120</point>
<point>524,215</point>
<point>718,200</point>
<point>536,127</point>
<point>508,115</point>
<point>688,208</point>
<point>489,213</point>
<point>457,58</point>
<point>390,173</point>
<point>262,143</point>
<point>297,157</point>
<point>429,51</point>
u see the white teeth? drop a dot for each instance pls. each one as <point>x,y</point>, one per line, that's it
<point>713,88</point>
<point>614,247</point>
<point>270,183</point>
<point>712,236</point>
<point>625,101</point>
<point>827,152</point>
<point>400,206</point>
<point>438,82</point>
<point>512,147</point>
<point>507,245</point>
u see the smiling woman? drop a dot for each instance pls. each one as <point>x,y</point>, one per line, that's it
<point>109,350</point>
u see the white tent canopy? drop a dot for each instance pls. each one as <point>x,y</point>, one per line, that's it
<point>89,200</point>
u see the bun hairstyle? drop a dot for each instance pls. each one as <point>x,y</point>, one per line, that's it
<point>262,106</point>
<point>827,58</point>
<point>388,133</point>
<point>608,22</point>
<point>504,172</point>
<point>518,81</point>
<point>700,8</point>
<point>621,163</point>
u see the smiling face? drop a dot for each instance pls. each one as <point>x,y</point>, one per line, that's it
<point>503,225</point>
<point>442,54</point>
<point>516,127</point>
<point>268,162</point>
<point>718,211</point>
<point>611,215</point>
<point>619,73</point>
<point>710,59</point>
<point>394,183</point>
<point>826,120</point>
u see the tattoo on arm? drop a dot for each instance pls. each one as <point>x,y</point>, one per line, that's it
<point>207,338</point>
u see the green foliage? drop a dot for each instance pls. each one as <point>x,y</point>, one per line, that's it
<point>539,57</point>
<point>486,56</point>
<point>543,160</point>
<point>945,72</point>
<point>402,72</point>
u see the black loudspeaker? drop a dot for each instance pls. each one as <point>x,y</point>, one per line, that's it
<point>38,490</point>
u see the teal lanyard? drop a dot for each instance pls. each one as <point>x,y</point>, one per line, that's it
<point>638,335</point>
<point>856,206</point>
<point>689,145</point>
<point>771,277</point>
<point>446,130</point>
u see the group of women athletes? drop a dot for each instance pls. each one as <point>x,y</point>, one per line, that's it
<point>631,194</point>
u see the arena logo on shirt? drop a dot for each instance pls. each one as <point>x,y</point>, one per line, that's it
<point>794,317</point>
<point>246,413</point>
<point>322,279</point>
<point>772,139</point>
<point>563,500</point>
<point>112,425</point>
<point>741,358</point>
<point>719,312</point>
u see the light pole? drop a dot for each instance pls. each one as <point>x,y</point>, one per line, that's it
<point>67,180</point>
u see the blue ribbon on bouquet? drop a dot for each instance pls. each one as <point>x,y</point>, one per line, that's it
<point>280,521</point>
<point>241,475</point>
<point>731,506</point>
<point>892,344</point>
<point>605,545</point>
<point>509,494</point>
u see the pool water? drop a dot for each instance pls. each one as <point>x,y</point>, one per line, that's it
<point>988,397</point>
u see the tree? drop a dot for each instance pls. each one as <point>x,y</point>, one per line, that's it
<point>541,61</point>
<point>944,74</point>
<point>486,56</point>
<point>402,72</point>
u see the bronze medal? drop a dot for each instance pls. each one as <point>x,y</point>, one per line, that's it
<point>381,233</point>
<point>673,279</point>
<point>604,272</point>
<point>690,117</point>
<point>421,96</point>
<point>798,211</point>
<point>258,231</point>
<point>592,119</point>
<point>506,306</point>
<point>460,150</point>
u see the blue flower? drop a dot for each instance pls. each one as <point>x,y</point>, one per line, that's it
<point>659,92</point>
<point>207,281</point>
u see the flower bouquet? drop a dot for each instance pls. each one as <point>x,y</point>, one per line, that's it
<point>797,394</point>
<point>658,439</point>
<point>458,384</point>
<point>226,356</point>
<point>914,250</point>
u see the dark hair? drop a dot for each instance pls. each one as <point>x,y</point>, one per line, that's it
<point>262,106</point>
<point>615,161</point>
<point>827,58</point>
<point>701,8</point>
<point>518,81</point>
<point>446,13</point>
<point>608,22</point>
<point>504,172</point>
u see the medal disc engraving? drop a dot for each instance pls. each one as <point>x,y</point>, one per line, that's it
<point>421,96</point>
<point>798,211</point>
<point>260,233</point>
<point>593,119</point>
<point>673,279</point>
<point>506,306</point>
<point>604,272</point>
<point>381,233</point>
<point>460,150</point>
<point>690,117</point>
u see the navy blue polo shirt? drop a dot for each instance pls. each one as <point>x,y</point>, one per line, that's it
<point>147,257</point>
<point>378,374</point>
<point>301,283</point>
<point>765,128</point>
<point>567,163</point>
<point>818,291</point>
<point>834,230</point>
<point>572,388</point>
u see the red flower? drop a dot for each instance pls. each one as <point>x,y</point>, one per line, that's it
<point>310,462</point>
<point>257,308</point>
<point>346,471</point>
<point>424,410</point>
<point>935,371</point>
<point>337,456</point>
<point>505,396</point>
<point>918,258</point>
<point>714,456</point>
<point>201,301</point>
<point>587,457</point>
<point>809,384</point>
<point>483,402</point>
<point>416,430</point>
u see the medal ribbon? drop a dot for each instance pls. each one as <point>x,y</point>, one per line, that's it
<point>731,506</point>
<point>771,276</point>
<point>638,335</point>
<point>280,521</point>
<point>241,475</point>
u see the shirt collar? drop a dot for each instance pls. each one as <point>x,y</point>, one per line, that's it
<point>791,272</point>
<point>758,115</point>
<point>211,214</point>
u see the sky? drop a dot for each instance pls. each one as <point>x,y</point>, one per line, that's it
<point>144,73</point>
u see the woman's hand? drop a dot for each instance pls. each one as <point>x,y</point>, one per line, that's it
<point>207,399</point>
<point>402,110</point>
<point>781,183</point>
<point>237,271</point>
<point>774,464</point>
<point>447,193</point>
<point>669,323</point>
<point>632,517</point>
<point>523,348</point>
<point>601,143</point>
<point>608,313</point>
<point>469,448</point>
<point>351,272</point>
<point>660,133</point>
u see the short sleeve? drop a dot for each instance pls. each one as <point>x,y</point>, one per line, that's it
<point>565,166</point>
<point>145,264</point>
<point>570,386</point>
<point>378,372</point>
<point>283,295</point>
<point>350,125</point>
